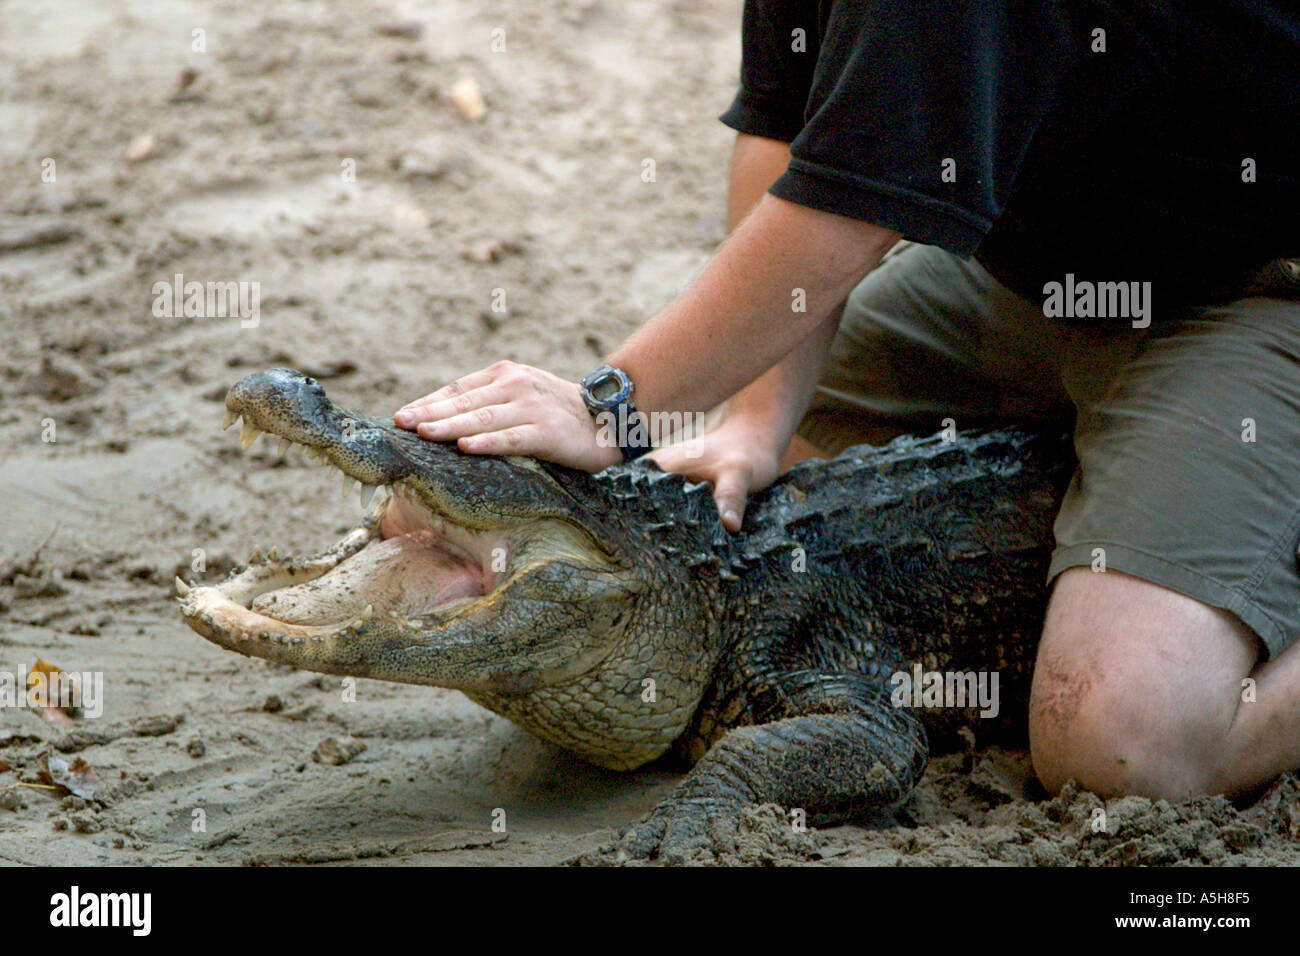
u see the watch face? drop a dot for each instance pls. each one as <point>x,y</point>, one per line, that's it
<point>605,388</point>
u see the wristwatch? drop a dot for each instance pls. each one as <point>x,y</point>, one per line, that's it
<point>607,393</point>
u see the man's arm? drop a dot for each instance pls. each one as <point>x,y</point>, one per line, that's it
<point>736,320</point>
<point>756,162</point>
<point>733,324</point>
<point>743,453</point>
<point>776,401</point>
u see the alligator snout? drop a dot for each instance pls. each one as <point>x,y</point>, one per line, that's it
<point>281,397</point>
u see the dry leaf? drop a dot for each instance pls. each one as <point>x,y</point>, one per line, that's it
<point>77,777</point>
<point>45,681</point>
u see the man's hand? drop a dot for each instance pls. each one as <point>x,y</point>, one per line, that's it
<point>738,457</point>
<point>512,409</point>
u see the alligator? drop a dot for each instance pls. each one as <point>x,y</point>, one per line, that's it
<point>613,615</point>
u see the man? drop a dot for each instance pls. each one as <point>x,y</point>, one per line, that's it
<point>1127,179</point>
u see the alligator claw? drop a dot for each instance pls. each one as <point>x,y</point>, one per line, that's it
<point>641,840</point>
<point>677,832</point>
<point>715,829</point>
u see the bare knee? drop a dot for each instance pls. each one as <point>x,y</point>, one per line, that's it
<point>1134,689</point>
<point>1097,728</point>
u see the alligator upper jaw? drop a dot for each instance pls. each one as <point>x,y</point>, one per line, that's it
<point>474,491</point>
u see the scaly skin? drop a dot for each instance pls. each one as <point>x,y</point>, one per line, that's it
<point>628,621</point>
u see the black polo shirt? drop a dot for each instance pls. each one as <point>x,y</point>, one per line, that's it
<point>1119,141</point>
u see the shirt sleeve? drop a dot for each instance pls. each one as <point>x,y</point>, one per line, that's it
<point>779,56</point>
<point>920,112</point>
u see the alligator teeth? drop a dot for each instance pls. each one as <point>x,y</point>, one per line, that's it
<point>247,435</point>
<point>367,492</point>
<point>316,455</point>
<point>347,484</point>
<point>368,613</point>
<point>230,419</point>
<point>181,587</point>
<point>284,445</point>
<point>273,554</point>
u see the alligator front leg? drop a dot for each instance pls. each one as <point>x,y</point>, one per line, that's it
<point>841,749</point>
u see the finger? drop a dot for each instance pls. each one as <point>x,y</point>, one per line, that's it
<point>466,383</point>
<point>685,458</point>
<point>527,439</point>
<point>447,408</point>
<point>489,418</point>
<point>730,493</point>
<point>668,459</point>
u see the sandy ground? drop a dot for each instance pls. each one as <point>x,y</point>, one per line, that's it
<point>382,286</point>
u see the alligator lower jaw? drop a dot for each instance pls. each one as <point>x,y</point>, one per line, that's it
<point>223,613</point>
<point>405,565</point>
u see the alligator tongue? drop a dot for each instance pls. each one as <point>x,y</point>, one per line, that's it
<point>406,575</point>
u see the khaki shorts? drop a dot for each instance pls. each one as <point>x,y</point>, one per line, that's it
<point>1187,432</point>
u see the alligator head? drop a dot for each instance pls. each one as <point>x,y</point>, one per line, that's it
<point>513,580</point>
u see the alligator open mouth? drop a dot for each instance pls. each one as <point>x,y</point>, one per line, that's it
<point>430,553</point>
<point>407,562</point>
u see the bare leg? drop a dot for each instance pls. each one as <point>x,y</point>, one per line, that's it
<point>1139,689</point>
